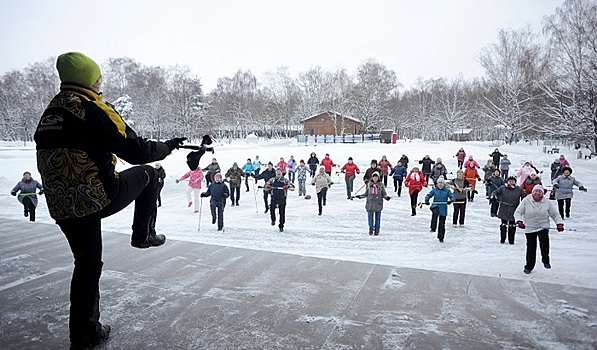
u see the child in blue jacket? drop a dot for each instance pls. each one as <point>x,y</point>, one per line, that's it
<point>442,196</point>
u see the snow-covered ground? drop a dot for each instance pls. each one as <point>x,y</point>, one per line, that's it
<point>341,232</point>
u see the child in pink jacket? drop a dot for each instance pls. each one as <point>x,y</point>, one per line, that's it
<point>195,178</point>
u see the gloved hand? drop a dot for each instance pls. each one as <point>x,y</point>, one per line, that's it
<point>41,192</point>
<point>13,193</point>
<point>312,183</point>
<point>387,198</point>
<point>177,180</point>
<point>448,202</point>
<point>556,186</point>
<point>492,199</point>
<point>358,172</point>
<point>521,224</point>
<point>285,187</point>
<point>268,187</point>
<point>204,194</point>
<point>582,188</point>
<point>426,202</point>
<point>175,142</point>
<point>560,227</point>
<point>331,183</point>
<point>252,175</point>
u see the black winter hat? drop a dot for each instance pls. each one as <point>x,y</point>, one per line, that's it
<point>374,161</point>
<point>511,178</point>
<point>193,159</point>
<point>567,168</point>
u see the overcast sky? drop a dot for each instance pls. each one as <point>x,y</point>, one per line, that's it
<point>415,38</point>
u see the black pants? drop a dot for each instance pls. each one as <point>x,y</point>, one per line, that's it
<point>385,179</point>
<point>234,195</point>
<point>495,205</point>
<point>160,186</point>
<point>247,176</point>
<point>321,198</point>
<point>561,203</point>
<point>543,236</point>
<point>460,163</point>
<point>291,176</point>
<point>84,236</point>
<point>29,208</point>
<point>459,210</point>
<point>505,175</point>
<point>282,208</point>
<point>217,213</point>
<point>471,195</point>
<point>208,179</point>
<point>413,200</point>
<point>312,170</point>
<point>398,186</point>
<point>256,172</point>
<point>265,196</point>
<point>509,228</point>
<point>441,226</point>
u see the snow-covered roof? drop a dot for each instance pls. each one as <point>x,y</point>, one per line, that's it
<point>332,112</point>
<point>463,131</point>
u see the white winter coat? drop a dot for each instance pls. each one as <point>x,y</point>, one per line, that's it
<point>535,215</point>
<point>320,181</point>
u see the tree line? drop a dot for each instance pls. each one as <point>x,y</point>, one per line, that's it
<point>536,86</point>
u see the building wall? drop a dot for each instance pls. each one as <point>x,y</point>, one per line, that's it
<point>323,124</point>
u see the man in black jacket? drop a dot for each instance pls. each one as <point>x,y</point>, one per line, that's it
<point>369,172</point>
<point>496,156</point>
<point>426,167</point>
<point>278,187</point>
<point>78,139</point>
<point>267,174</point>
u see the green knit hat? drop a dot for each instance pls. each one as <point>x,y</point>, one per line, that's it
<point>74,67</point>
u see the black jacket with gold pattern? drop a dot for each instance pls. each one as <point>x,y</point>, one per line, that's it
<point>78,138</point>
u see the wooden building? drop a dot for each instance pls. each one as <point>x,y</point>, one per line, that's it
<point>331,123</point>
<point>463,135</point>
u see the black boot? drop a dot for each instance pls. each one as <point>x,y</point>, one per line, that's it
<point>91,342</point>
<point>151,240</point>
<point>503,233</point>
<point>511,233</point>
